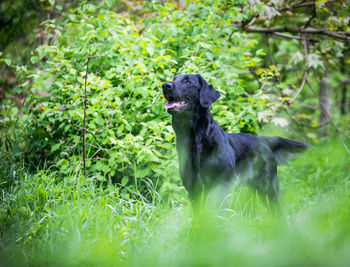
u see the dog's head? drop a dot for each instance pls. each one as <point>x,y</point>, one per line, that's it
<point>187,91</point>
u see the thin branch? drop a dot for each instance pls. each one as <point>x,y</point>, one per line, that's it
<point>252,72</point>
<point>70,147</point>
<point>299,5</point>
<point>269,50</point>
<point>85,104</point>
<point>110,120</point>
<point>251,22</point>
<point>87,130</point>
<point>304,75</point>
<point>288,36</point>
<point>103,128</point>
<point>95,56</point>
<point>310,19</point>
<point>346,33</point>
<point>107,124</point>
<point>100,148</point>
<point>340,84</point>
<point>304,4</point>
<point>300,89</point>
<point>346,148</point>
<point>85,101</point>
<point>337,35</point>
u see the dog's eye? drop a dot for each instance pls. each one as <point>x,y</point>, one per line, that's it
<point>187,82</point>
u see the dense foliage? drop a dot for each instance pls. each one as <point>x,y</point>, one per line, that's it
<point>128,132</point>
<point>119,60</point>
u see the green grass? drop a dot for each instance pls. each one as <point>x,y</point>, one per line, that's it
<point>46,221</point>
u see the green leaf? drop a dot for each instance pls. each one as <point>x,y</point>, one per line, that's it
<point>141,173</point>
<point>125,180</point>
<point>52,2</point>
<point>72,71</point>
<point>8,61</point>
<point>34,59</point>
<point>55,147</point>
<point>109,3</point>
<point>113,140</point>
<point>260,52</point>
<point>296,58</point>
<point>150,50</point>
<point>314,61</point>
<point>41,51</point>
<point>204,45</point>
<point>100,177</point>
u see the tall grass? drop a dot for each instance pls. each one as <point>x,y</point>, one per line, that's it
<point>46,221</point>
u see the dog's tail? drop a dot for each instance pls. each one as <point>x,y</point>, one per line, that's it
<point>285,149</point>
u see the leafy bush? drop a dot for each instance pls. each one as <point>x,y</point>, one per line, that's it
<point>128,132</point>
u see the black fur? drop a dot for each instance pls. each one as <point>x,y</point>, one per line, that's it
<point>208,155</point>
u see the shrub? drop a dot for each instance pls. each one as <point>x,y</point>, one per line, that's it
<point>128,132</point>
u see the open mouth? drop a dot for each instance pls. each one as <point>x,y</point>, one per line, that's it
<point>174,104</point>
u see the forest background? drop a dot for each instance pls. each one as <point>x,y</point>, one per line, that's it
<point>88,165</point>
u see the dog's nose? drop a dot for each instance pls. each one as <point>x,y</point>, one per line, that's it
<point>167,87</point>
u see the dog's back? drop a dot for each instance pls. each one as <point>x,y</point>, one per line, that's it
<point>257,157</point>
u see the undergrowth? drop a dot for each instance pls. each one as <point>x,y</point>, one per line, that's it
<point>50,221</point>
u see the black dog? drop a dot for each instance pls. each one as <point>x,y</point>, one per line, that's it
<point>208,155</point>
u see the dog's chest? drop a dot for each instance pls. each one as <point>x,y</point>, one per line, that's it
<point>195,154</point>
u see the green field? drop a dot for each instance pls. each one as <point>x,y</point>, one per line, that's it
<point>47,221</point>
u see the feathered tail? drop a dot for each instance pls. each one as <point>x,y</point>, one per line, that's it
<point>284,149</point>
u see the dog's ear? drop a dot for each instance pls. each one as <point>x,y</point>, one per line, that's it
<point>208,94</point>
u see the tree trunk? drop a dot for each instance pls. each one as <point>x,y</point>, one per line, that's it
<point>343,100</point>
<point>343,91</point>
<point>324,100</point>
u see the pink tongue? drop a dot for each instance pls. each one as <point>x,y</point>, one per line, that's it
<point>170,105</point>
<point>177,105</point>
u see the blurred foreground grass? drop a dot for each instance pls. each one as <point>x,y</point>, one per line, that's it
<point>46,221</point>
